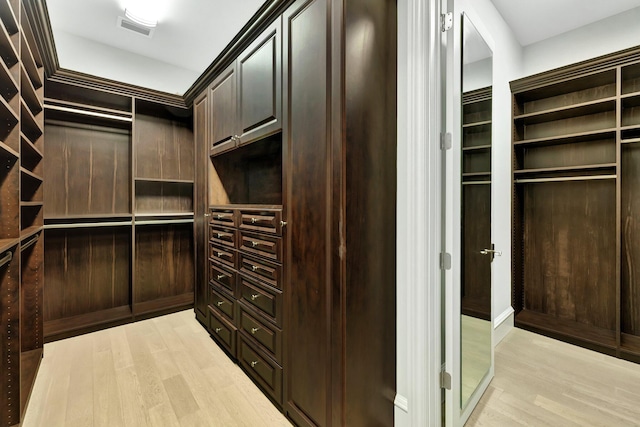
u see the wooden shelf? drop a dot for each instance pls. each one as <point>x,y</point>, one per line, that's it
<point>630,141</point>
<point>476,124</point>
<point>574,110</point>
<point>91,217</point>
<point>6,112</point>
<point>168,181</point>
<point>565,169</point>
<point>84,107</point>
<point>567,329</point>
<point>29,231</point>
<point>8,51</point>
<point>30,174</point>
<point>477,148</point>
<point>8,17</point>
<point>31,128</point>
<point>31,204</point>
<point>564,179</point>
<point>30,64</point>
<point>470,174</point>
<point>569,138</point>
<point>29,146</point>
<point>8,84</point>
<point>29,94</point>
<point>6,244</point>
<point>164,214</point>
<point>6,150</point>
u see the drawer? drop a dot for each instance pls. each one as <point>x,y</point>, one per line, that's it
<point>223,303</point>
<point>261,220</point>
<point>224,216</point>
<point>223,254</point>
<point>222,236</point>
<point>266,335</point>
<point>261,269</point>
<point>262,245</point>
<point>264,299</point>
<point>265,372</point>
<point>223,332</point>
<point>222,276</point>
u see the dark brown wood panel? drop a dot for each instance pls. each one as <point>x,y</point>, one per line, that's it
<point>31,294</point>
<point>164,262</point>
<point>86,272</point>
<point>10,338</point>
<point>10,198</point>
<point>223,116</point>
<point>160,197</point>
<point>260,89</point>
<point>567,155</point>
<point>630,224</point>
<point>201,235</point>
<point>565,225</point>
<point>307,354</point>
<point>87,170</point>
<point>163,142</point>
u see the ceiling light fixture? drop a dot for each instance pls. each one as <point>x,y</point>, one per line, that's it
<point>141,18</point>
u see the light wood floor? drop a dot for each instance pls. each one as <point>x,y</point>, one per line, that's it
<point>159,372</point>
<point>543,382</point>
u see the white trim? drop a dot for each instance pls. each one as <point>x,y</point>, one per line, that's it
<point>418,215</point>
<point>402,403</point>
<point>503,324</point>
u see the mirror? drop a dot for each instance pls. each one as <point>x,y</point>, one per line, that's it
<point>477,250</point>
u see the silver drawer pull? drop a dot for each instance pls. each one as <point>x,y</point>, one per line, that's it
<point>254,330</point>
<point>219,303</point>
<point>253,364</point>
<point>254,244</point>
<point>220,216</point>
<point>221,276</point>
<point>282,224</point>
<point>218,330</point>
<point>220,254</point>
<point>207,215</point>
<point>255,297</point>
<point>254,220</point>
<point>220,235</point>
<point>254,267</point>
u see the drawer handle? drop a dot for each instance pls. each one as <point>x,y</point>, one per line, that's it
<point>221,276</point>
<point>254,244</point>
<point>253,364</point>
<point>254,330</point>
<point>218,330</point>
<point>254,267</point>
<point>207,215</point>
<point>254,220</point>
<point>255,297</point>
<point>220,216</point>
<point>219,303</point>
<point>282,224</point>
<point>220,254</point>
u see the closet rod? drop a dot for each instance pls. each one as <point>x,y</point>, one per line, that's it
<point>476,183</point>
<point>88,113</point>
<point>566,178</point>
<point>30,243</point>
<point>87,225</point>
<point>7,257</point>
<point>162,222</point>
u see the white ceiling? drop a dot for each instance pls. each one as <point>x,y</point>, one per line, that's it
<point>536,20</point>
<point>189,35</point>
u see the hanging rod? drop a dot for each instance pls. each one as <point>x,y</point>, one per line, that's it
<point>476,182</point>
<point>566,178</point>
<point>88,113</point>
<point>30,243</point>
<point>162,222</point>
<point>7,257</point>
<point>87,225</point>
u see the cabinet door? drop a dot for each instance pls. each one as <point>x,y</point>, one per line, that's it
<point>259,94</point>
<point>307,291</point>
<point>200,224</point>
<point>224,111</point>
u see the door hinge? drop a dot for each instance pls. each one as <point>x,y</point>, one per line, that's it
<point>445,141</point>
<point>445,261</point>
<point>445,380</point>
<point>447,21</point>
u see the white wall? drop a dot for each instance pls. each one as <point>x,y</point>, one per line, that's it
<point>615,33</point>
<point>87,56</point>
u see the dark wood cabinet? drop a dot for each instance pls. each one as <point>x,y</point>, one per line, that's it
<point>246,99</point>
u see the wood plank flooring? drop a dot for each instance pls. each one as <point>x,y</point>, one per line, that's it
<point>544,382</point>
<point>159,372</point>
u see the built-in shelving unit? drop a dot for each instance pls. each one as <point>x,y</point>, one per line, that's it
<point>119,208</point>
<point>21,191</point>
<point>576,172</point>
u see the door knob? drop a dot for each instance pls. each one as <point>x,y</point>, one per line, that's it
<point>491,251</point>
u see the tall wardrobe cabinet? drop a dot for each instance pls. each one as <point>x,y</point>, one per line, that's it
<point>299,233</point>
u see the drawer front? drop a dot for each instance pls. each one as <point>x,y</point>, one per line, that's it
<point>223,216</point>
<point>261,269</point>
<point>263,371</point>
<point>264,221</point>
<point>223,332</point>
<point>222,236</point>
<point>266,300</point>
<point>222,276</point>
<point>263,245</point>
<point>268,336</point>
<point>224,304</point>
<point>223,254</point>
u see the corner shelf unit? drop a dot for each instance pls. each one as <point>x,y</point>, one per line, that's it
<point>576,182</point>
<point>119,208</point>
<point>21,191</point>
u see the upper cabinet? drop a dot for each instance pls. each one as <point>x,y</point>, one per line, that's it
<point>246,100</point>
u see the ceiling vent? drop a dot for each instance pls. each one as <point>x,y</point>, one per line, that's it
<point>128,25</point>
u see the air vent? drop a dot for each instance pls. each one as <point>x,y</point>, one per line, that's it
<point>125,24</point>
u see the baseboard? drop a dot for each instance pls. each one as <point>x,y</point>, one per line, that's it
<point>503,324</point>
